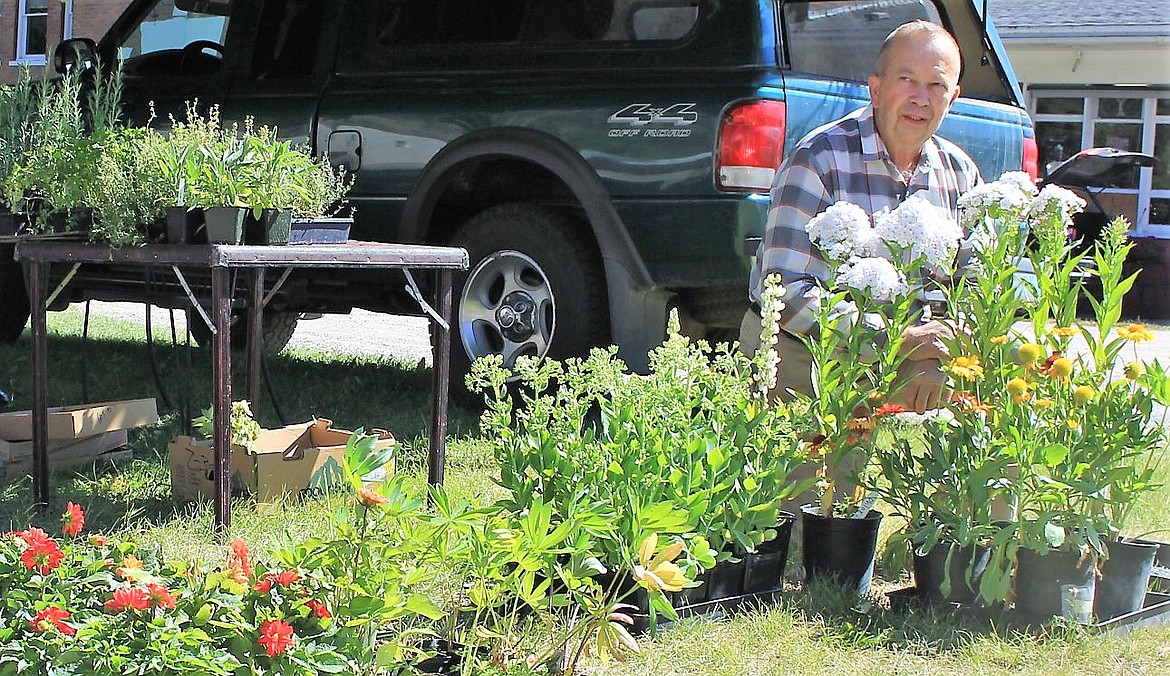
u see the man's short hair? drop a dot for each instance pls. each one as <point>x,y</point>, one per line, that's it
<point>918,26</point>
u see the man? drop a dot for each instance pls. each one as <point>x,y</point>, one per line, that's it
<point>875,157</point>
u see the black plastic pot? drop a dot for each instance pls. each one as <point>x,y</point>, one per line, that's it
<point>692,595</point>
<point>950,573</point>
<point>764,569</point>
<point>726,580</point>
<point>1057,583</point>
<point>185,226</point>
<point>271,228</point>
<point>448,656</point>
<point>840,549</point>
<point>1125,575</point>
<point>225,225</point>
<point>12,224</point>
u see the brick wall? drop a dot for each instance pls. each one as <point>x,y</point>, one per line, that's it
<point>91,18</point>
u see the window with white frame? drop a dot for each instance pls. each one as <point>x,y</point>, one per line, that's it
<point>1070,121</point>
<point>32,29</point>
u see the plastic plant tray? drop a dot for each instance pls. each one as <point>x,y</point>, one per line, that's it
<point>319,230</point>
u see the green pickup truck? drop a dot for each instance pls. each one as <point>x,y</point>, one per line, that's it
<point>602,161</point>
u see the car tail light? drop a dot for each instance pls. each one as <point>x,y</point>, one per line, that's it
<point>1031,160</point>
<point>751,146</point>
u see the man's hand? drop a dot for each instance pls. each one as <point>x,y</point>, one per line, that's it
<point>922,385</point>
<point>927,341</point>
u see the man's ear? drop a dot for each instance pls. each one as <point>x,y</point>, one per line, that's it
<point>874,84</point>
<point>955,94</point>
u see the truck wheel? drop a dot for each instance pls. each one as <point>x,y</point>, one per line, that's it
<point>535,287</point>
<point>278,329</point>
<point>14,307</point>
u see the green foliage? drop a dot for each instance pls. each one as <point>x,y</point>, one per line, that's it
<point>242,426</point>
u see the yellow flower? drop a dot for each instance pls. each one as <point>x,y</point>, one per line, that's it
<point>999,340</point>
<point>1084,394</point>
<point>1065,331</point>
<point>1062,368</point>
<point>1072,424</point>
<point>1135,370</point>
<point>655,571</point>
<point>1028,354</point>
<point>966,367</point>
<point>1018,388</point>
<point>1043,403</point>
<point>1135,332</point>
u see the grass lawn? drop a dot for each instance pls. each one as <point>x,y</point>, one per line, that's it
<point>811,631</point>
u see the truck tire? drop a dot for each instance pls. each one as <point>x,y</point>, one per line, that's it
<point>535,287</point>
<point>278,328</point>
<point>14,307</point>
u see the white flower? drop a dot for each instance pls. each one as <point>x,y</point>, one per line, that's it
<point>920,229</point>
<point>841,231</point>
<point>876,276</point>
<point>1019,179</point>
<point>1054,200</point>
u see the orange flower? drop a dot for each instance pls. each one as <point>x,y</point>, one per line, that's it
<point>999,340</point>
<point>371,498</point>
<point>129,598</point>
<point>73,520</point>
<point>52,618</point>
<point>160,596</point>
<point>284,578</point>
<point>1137,333</point>
<point>1065,331</point>
<point>98,541</point>
<point>971,403</point>
<point>239,564</point>
<point>889,409</point>
<point>276,637</point>
<point>131,568</point>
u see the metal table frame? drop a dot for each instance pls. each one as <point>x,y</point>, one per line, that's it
<point>220,259</point>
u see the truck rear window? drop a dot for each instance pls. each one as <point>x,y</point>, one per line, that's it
<point>443,22</point>
<point>840,40</point>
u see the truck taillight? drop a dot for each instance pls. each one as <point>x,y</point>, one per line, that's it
<point>751,146</point>
<point>1031,160</point>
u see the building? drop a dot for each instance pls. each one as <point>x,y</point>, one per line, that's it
<point>1098,74</point>
<point>29,29</point>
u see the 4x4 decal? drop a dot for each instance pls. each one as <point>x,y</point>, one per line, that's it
<point>638,115</point>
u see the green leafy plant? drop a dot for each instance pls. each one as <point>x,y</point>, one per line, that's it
<point>242,425</point>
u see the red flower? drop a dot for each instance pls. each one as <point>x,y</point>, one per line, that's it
<point>318,608</point>
<point>50,618</point>
<point>42,555</point>
<point>889,409</point>
<point>371,498</point>
<point>30,537</point>
<point>73,520</point>
<point>284,578</point>
<point>276,637</point>
<point>161,596</point>
<point>239,557</point>
<point>129,598</point>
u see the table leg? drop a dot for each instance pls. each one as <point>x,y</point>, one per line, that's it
<point>40,417</point>
<point>221,396</point>
<point>440,380</point>
<point>255,335</point>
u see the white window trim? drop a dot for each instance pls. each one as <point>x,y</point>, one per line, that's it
<point>22,57</point>
<point>1089,119</point>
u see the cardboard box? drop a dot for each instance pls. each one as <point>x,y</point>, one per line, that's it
<point>85,420</point>
<point>108,447</point>
<point>302,460</point>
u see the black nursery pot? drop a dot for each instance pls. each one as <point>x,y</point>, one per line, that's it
<point>840,549</point>
<point>764,569</point>
<point>931,572</point>
<point>1121,589</point>
<point>1057,583</point>
<point>185,226</point>
<point>726,580</point>
<point>271,228</point>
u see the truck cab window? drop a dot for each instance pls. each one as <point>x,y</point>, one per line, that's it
<point>174,42</point>
<point>288,38</point>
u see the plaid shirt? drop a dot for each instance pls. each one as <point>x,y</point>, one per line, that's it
<point>844,160</point>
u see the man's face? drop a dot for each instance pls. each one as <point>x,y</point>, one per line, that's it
<point>913,92</point>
